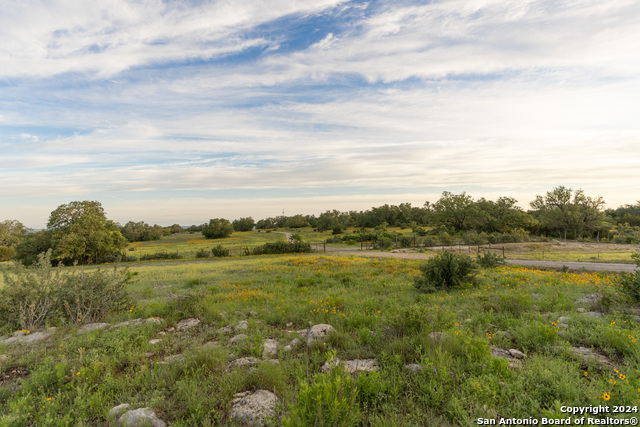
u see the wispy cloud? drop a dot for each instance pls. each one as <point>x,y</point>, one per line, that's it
<point>166,98</point>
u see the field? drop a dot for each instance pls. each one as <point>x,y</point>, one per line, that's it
<point>449,339</point>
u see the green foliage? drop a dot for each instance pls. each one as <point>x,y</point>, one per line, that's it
<point>11,232</point>
<point>33,296</point>
<point>490,260</point>
<point>161,255</point>
<point>6,252</point>
<point>141,231</point>
<point>281,248</point>
<point>243,224</point>
<point>329,400</point>
<point>217,229</point>
<point>630,282</point>
<point>220,251</point>
<point>445,271</point>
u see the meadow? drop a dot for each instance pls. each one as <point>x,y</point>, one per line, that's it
<point>73,379</point>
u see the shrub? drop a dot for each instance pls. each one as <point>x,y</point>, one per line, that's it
<point>445,270</point>
<point>631,281</point>
<point>220,251</point>
<point>281,248</point>
<point>33,296</point>
<point>6,252</point>
<point>160,255</point>
<point>203,253</point>
<point>490,260</point>
<point>217,229</point>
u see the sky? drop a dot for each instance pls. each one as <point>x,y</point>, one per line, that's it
<point>184,110</point>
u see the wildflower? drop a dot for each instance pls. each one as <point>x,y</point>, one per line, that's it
<point>622,377</point>
<point>77,374</point>
<point>615,370</point>
<point>586,374</point>
<point>48,399</point>
<point>606,396</point>
<point>61,345</point>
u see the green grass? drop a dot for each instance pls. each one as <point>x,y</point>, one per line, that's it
<point>377,313</point>
<point>187,244</point>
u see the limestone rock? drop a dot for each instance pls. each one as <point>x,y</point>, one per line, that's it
<point>30,338</point>
<point>517,353</point>
<point>514,363</point>
<point>92,327</point>
<point>316,332</point>
<point>255,408</point>
<point>119,410</point>
<point>593,314</point>
<point>269,348</point>
<point>155,341</point>
<point>242,325</point>
<point>237,339</point>
<point>185,324</point>
<point>242,362</point>
<point>226,329</point>
<point>353,366</point>
<point>588,354</point>
<point>142,417</point>
<point>136,322</point>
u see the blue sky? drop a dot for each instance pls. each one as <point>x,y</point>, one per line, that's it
<point>181,111</point>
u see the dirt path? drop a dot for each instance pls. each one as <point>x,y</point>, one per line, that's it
<point>590,266</point>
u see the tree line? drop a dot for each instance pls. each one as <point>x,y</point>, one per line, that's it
<point>80,231</point>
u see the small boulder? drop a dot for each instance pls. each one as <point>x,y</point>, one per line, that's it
<point>155,341</point>
<point>242,325</point>
<point>185,324</point>
<point>175,358</point>
<point>242,362</point>
<point>269,348</point>
<point>237,339</point>
<point>517,353</point>
<point>92,327</point>
<point>118,411</point>
<point>254,409</point>
<point>316,332</point>
<point>143,417</point>
<point>352,366</point>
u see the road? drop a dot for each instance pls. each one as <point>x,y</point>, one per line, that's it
<point>589,266</point>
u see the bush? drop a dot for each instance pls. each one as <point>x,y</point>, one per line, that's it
<point>281,248</point>
<point>217,229</point>
<point>631,281</point>
<point>6,252</point>
<point>220,251</point>
<point>490,260</point>
<point>203,253</point>
<point>444,271</point>
<point>160,255</point>
<point>33,296</point>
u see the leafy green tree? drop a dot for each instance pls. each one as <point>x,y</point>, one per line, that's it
<point>217,229</point>
<point>174,229</point>
<point>296,221</point>
<point>141,231</point>
<point>455,210</point>
<point>562,210</point>
<point>243,224</point>
<point>76,232</point>
<point>11,233</point>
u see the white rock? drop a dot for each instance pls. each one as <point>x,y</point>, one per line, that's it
<point>143,417</point>
<point>269,348</point>
<point>155,341</point>
<point>185,324</point>
<point>317,332</point>
<point>242,325</point>
<point>117,411</point>
<point>254,409</point>
<point>353,366</point>
<point>92,327</point>
<point>242,362</point>
<point>238,338</point>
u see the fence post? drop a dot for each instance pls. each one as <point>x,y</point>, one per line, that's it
<point>325,246</point>
<point>503,252</point>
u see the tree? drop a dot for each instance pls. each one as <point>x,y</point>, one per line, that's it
<point>455,210</point>
<point>76,232</point>
<point>11,233</point>
<point>217,229</point>
<point>141,231</point>
<point>562,210</point>
<point>174,229</point>
<point>243,224</point>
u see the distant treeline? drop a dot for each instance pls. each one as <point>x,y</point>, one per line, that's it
<point>80,231</point>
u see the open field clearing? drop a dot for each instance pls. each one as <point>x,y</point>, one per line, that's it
<point>187,244</point>
<point>517,343</point>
